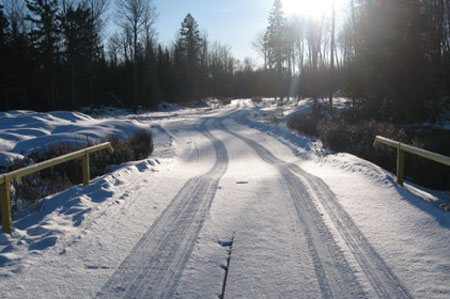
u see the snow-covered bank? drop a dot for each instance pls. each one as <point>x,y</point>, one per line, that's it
<point>275,184</point>
<point>22,132</point>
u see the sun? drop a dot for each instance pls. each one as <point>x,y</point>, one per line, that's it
<point>309,8</point>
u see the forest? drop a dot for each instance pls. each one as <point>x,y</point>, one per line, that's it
<point>392,58</point>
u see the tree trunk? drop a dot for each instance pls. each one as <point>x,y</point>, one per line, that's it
<point>91,83</point>
<point>440,38</point>
<point>135,68</point>
<point>74,100</point>
<point>332,57</point>
<point>354,28</point>
<point>53,90</point>
<point>3,94</point>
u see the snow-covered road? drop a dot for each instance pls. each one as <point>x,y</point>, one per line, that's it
<point>219,195</point>
<point>155,265</point>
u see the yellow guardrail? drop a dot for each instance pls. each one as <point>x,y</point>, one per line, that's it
<point>402,148</point>
<point>5,196</point>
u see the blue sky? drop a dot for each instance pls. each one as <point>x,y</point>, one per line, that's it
<point>232,22</point>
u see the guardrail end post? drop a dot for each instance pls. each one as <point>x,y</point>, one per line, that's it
<point>86,170</point>
<point>5,201</point>
<point>400,166</point>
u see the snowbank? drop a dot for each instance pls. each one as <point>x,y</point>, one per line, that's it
<point>22,132</point>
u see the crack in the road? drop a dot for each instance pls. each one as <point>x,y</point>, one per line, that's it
<point>227,266</point>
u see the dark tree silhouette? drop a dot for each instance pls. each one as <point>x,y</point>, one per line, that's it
<point>276,43</point>
<point>77,28</point>
<point>189,43</point>
<point>391,57</point>
<point>136,17</point>
<point>3,55</point>
<point>46,37</point>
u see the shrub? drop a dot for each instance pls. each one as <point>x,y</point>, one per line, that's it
<point>303,123</point>
<point>56,172</point>
<point>141,144</point>
<point>226,101</point>
<point>334,135</point>
<point>29,189</point>
<point>424,171</point>
<point>347,133</point>
<point>357,139</point>
<point>307,123</point>
<point>257,100</point>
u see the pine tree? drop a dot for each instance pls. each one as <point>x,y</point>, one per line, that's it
<point>3,27</point>
<point>47,37</point>
<point>190,39</point>
<point>3,53</point>
<point>276,42</point>
<point>189,44</point>
<point>77,28</point>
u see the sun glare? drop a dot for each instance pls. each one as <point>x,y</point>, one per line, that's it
<point>309,8</point>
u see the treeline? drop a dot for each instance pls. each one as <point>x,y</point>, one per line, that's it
<point>391,57</point>
<point>53,57</point>
<point>51,53</point>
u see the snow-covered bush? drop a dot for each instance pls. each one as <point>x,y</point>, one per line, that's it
<point>345,132</point>
<point>29,189</point>
<point>257,100</point>
<point>307,123</point>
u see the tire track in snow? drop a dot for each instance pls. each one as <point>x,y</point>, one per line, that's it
<point>154,266</point>
<point>327,257</point>
<point>379,274</point>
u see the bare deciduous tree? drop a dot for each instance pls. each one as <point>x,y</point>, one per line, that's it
<point>259,44</point>
<point>333,25</point>
<point>138,16</point>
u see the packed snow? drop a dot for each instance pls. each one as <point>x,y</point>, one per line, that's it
<point>227,187</point>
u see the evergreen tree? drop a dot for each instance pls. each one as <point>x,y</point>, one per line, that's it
<point>77,28</point>
<point>190,39</point>
<point>47,37</point>
<point>276,42</point>
<point>3,56</point>
<point>189,44</point>
<point>150,87</point>
<point>391,55</point>
<point>164,70</point>
<point>3,27</point>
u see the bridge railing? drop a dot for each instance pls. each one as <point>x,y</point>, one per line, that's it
<point>5,196</point>
<point>402,148</point>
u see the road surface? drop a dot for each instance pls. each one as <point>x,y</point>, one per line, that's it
<point>280,232</point>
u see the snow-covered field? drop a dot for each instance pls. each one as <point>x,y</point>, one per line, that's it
<point>294,220</point>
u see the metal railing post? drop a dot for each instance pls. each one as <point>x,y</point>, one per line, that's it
<point>5,201</point>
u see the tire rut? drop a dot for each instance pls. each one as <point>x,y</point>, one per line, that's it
<point>154,266</point>
<point>379,274</point>
<point>335,276</point>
